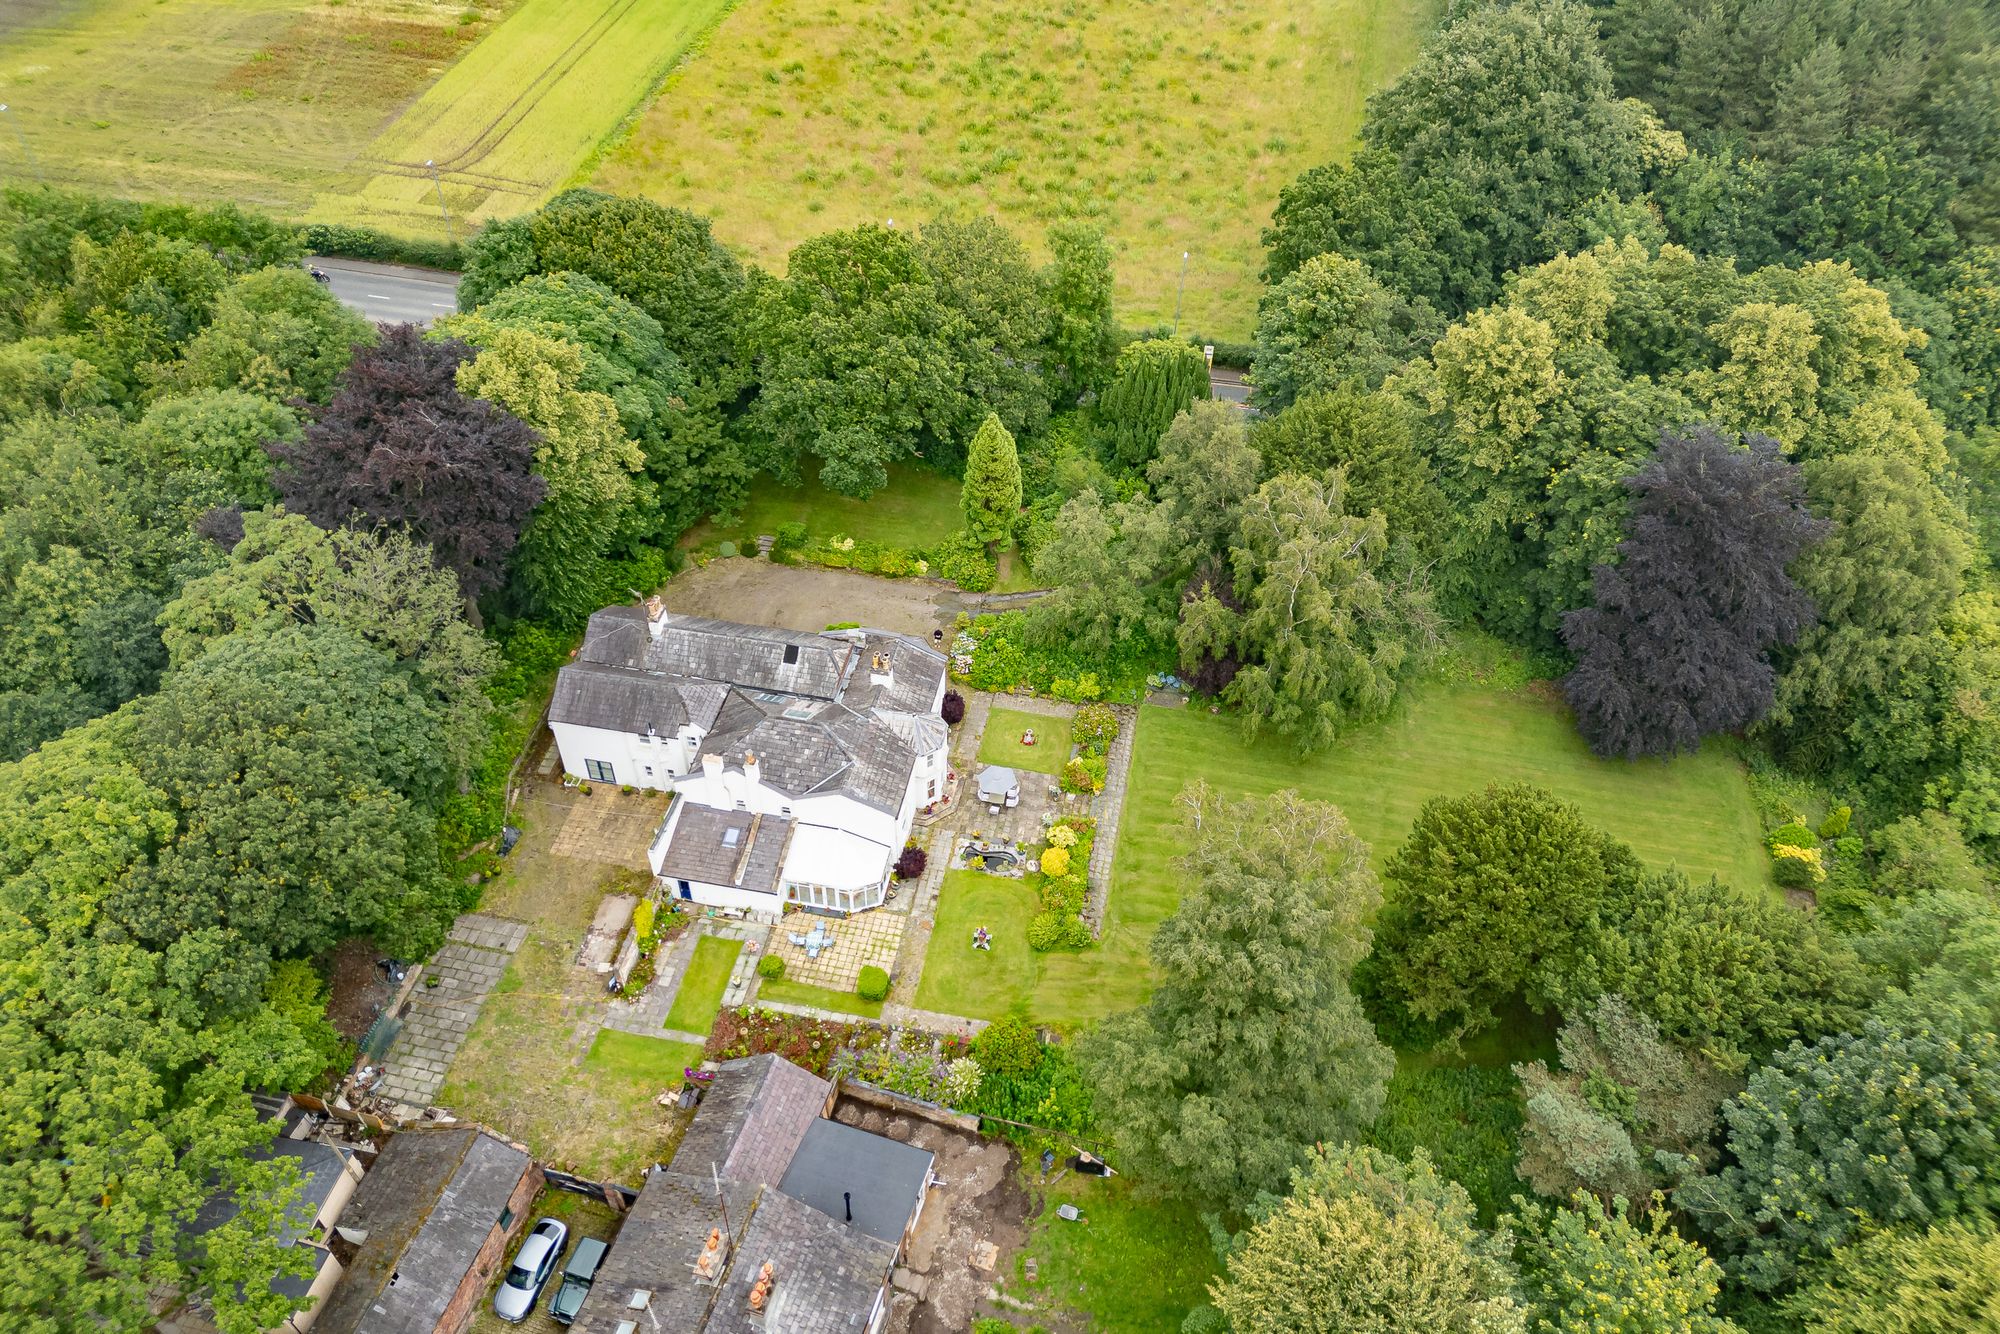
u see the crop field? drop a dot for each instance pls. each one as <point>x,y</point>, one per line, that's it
<point>513,120</point>
<point>1173,126</point>
<point>331,109</point>
<point>266,102</point>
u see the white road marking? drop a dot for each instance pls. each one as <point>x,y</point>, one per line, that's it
<point>377,296</point>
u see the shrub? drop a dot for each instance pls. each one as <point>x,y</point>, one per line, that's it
<point>961,559</point>
<point>1836,822</point>
<point>1797,868</point>
<point>1057,931</point>
<point>911,864</point>
<point>953,708</point>
<point>726,548</point>
<point>1055,862</point>
<point>323,238</point>
<point>788,540</point>
<point>1084,774</point>
<point>1095,728</point>
<point>1062,836</point>
<point>1064,893</point>
<point>874,984</point>
<point>1793,835</point>
<point>1009,1048</point>
<point>1077,689</point>
<point>771,966</point>
<point>643,918</point>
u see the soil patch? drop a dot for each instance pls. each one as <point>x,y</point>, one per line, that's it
<point>756,592</point>
<point>358,988</point>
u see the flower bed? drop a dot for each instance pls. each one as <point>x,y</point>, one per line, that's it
<point>811,1043</point>
<point>993,653</point>
<point>1060,925</point>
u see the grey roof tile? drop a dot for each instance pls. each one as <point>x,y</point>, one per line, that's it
<point>751,1119</point>
<point>827,1275</point>
<point>657,1244</point>
<point>701,848</point>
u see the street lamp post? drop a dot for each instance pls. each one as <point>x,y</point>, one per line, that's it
<point>22,140</point>
<point>1179,292</point>
<point>439,182</point>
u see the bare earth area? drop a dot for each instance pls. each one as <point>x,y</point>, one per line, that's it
<point>756,592</point>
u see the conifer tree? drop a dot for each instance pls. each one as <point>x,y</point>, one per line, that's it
<point>1154,382</point>
<point>991,494</point>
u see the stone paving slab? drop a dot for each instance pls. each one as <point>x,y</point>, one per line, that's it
<point>611,827</point>
<point>473,959</point>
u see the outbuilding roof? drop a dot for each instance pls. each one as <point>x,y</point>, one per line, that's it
<point>840,1170</point>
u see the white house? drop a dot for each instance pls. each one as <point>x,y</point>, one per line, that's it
<point>797,760</point>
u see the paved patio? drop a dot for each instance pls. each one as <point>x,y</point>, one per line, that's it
<point>474,956</point>
<point>865,938</point>
<point>611,827</point>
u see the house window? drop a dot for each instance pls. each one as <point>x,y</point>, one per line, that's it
<point>599,771</point>
<point>785,811</point>
<point>649,771</point>
<point>933,793</point>
<point>791,654</point>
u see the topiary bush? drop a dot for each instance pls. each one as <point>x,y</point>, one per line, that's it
<point>911,864</point>
<point>771,966</point>
<point>726,548</point>
<point>953,708</point>
<point>1055,861</point>
<point>1792,835</point>
<point>1095,728</point>
<point>873,984</point>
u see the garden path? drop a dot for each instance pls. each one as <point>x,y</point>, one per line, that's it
<point>473,958</point>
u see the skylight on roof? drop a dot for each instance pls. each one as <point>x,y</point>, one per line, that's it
<point>731,836</point>
<point>802,710</point>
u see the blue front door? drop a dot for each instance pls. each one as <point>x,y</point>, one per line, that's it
<point>686,892</point>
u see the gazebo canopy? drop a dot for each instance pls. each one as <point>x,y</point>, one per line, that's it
<point>996,781</point>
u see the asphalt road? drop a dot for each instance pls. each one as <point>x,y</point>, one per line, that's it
<point>1228,385</point>
<point>390,293</point>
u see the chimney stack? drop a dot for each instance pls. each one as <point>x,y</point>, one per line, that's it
<point>751,769</point>
<point>761,1293</point>
<point>656,615</point>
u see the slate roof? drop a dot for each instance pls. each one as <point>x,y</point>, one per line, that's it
<point>883,1180</point>
<point>827,1275</point>
<point>818,723</point>
<point>701,849</point>
<point>656,1249</point>
<point>752,1119</point>
<point>428,1204</point>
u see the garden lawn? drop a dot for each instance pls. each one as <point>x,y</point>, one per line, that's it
<point>645,1065</point>
<point>702,985</point>
<point>1001,743</point>
<point>799,993</point>
<point>1172,128</point>
<point>917,510</point>
<point>1057,988</point>
<point>1134,1263</point>
<point>1694,812</point>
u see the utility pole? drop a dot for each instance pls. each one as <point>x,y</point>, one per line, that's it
<point>438,181</point>
<point>1179,292</point>
<point>22,139</point>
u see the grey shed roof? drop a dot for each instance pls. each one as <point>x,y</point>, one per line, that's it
<point>320,1170</point>
<point>656,1249</point>
<point>428,1204</point>
<point>884,1180</point>
<point>751,1120</point>
<point>738,848</point>
<point>827,1275</point>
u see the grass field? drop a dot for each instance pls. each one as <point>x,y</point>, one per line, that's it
<point>1001,743</point>
<point>1171,125</point>
<point>707,977</point>
<point>522,111</point>
<point>1134,1265</point>
<point>1694,812</point>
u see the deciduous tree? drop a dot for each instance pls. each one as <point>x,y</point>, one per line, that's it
<point>1370,437</point>
<point>1330,324</point>
<point>1676,647</point>
<point>1588,1269</point>
<point>400,447</point>
<point>1941,1278</point>
<point>1251,993</point>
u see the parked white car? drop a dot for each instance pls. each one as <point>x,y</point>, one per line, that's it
<point>533,1264</point>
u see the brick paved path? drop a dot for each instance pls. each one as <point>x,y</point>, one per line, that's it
<point>475,954</point>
